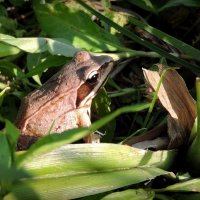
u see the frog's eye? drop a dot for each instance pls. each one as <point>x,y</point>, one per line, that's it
<point>93,78</point>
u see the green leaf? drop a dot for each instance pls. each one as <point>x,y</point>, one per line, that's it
<point>9,69</point>
<point>50,61</point>
<point>134,108</point>
<point>12,133</point>
<point>86,169</point>
<point>17,2</point>
<point>5,163</point>
<point>74,159</point>
<point>80,185</point>
<point>139,40</point>
<point>7,50</point>
<point>8,25</point>
<point>5,154</point>
<point>192,155</point>
<point>32,61</point>
<point>145,4</point>
<point>158,6</point>
<point>39,44</point>
<point>124,91</point>
<point>101,107</point>
<point>186,196</point>
<point>175,3</point>
<point>139,194</point>
<point>3,94</point>
<point>70,187</point>
<point>51,142</point>
<point>75,26</point>
<point>186,186</point>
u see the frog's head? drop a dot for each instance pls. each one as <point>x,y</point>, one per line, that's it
<point>92,71</point>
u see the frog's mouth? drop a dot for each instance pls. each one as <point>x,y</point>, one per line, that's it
<point>87,92</point>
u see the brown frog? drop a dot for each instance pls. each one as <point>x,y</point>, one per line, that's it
<point>64,101</point>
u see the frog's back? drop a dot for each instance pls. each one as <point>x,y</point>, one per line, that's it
<point>56,87</point>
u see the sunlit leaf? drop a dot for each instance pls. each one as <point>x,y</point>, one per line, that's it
<point>192,185</point>
<point>70,187</point>
<point>39,44</point>
<point>73,159</point>
<point>64,22</point>
<point>7,50</point>
<point>3,94</point>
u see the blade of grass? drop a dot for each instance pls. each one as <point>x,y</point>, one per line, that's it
<point>187,49</point>
<point>103,121</point>
<point>139,40</point>
<point>127,53</point>
<point>198,106</point>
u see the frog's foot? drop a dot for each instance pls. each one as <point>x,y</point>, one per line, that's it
<point>25,141</point>
<point>92,138</point>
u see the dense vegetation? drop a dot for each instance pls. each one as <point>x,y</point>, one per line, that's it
<point>38,37</point>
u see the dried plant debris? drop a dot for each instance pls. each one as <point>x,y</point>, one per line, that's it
<point>154,139</point>
<point>176,99</point>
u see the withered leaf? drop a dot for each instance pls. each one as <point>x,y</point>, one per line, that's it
<point>176,99</point>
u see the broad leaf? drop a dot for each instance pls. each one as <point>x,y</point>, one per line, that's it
<point>75,26</point>
<point>70,187</point>
<point>39,44</point>
<point>73,159</point>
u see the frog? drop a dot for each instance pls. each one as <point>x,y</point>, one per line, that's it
<point>64,101</point>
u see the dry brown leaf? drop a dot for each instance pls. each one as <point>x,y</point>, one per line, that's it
<point>176,99</point>
<point>150,135</point>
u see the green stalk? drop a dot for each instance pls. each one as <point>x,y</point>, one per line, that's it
<point>130,53</point>
<point>193,158</point>
<point>198,106</point>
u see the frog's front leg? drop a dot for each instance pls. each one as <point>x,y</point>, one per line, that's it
<point>84,121</point>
